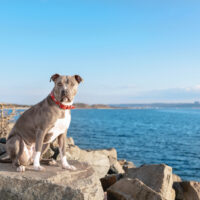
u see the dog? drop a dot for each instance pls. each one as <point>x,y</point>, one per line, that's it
<point>41,124</point>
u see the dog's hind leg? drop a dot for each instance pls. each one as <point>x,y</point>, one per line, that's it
<point>15,148</point>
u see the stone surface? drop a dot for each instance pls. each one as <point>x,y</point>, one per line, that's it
<point>70,140</point>
<point>110,153</point>
<point>176,178</point>
<point>54,183</point>
<point>187,190</point>
<point>48,154</point>
<point>53,150</point>
<point>157,177</point>
<point>126,164</point>
<point>116,168</point>
<point>179,191</point>
<point>98,160</point>
<point>109,180</point>
<point>131,189</point>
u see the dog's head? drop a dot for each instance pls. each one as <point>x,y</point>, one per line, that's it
<point>65,87</point>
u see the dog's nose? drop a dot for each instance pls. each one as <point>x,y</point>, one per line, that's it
<point>63,93</point>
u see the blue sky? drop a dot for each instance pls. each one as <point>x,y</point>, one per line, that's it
<point>126,51</point>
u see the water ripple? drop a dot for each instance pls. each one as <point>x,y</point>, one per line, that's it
<point>143,136</point>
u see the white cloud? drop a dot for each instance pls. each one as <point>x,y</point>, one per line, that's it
<point>193,88</point>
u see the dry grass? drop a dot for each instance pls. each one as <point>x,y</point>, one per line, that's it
<point>7,114</point>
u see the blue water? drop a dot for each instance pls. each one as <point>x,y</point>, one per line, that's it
<point>170,136</point>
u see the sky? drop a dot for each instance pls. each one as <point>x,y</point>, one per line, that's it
<point>126,51</point>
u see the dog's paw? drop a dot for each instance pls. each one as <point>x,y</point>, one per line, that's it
<point>39,168</point>
<point>70,167</point>
<point>21,168</point>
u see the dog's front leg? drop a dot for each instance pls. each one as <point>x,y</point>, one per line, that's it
<point>38,148</point>
<point>62,143</point>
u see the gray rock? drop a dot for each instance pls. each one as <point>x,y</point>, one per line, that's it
<point>54,183</point>
<point>96,158</point>
<point>109,180</point>
<point>157,177</point>
<point>187,190</point>
<point>132,189</point>
<point>116,168</point>
<point>99,159</point>
<point>179,191</point>
<point>53,151</point>
<point>126,164</point>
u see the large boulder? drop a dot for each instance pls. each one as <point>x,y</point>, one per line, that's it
<point>98,160</point>
<point>131,189</point>
<point>157,177</point>
<point>54,183</point>
<point>102,160</point>
<point>187,190</point>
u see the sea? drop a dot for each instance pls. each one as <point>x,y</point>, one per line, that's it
<point>143,136</point>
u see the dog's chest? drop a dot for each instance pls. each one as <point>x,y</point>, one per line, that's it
<point>60,126</point>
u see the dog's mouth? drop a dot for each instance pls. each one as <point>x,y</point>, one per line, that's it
<point>65,99</point>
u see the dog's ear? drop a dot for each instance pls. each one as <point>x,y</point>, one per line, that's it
<point>54,77</point>
<point>78,78</point>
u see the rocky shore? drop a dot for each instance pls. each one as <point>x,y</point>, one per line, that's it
<point>99,175</point>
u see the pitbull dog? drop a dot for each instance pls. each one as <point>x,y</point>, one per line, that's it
<point>42,123</point>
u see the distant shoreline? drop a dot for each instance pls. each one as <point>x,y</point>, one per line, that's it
<point>118,106</point>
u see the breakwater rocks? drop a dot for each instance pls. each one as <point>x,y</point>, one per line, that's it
<point>99,175</point>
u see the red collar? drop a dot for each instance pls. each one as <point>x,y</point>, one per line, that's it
<point>62,106</point>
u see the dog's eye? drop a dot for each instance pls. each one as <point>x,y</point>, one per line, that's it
<point>59,84</point>
<point>72,84</point>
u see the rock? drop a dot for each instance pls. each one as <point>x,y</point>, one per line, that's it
<point>157,177</point>
<point>187,190</point>
<point>70,140</point>
<point>53,151</point>
<point>126,164</point>
<point>54,183</point>
<point>48,154</point>
<point>109,180</point>
<point>98,160</point>
<point>131,189</point>
<point>176,178</point>
<point>122,162</point>
<point>116,168</point>
<point>179,191</point>
<point>110,153</point>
